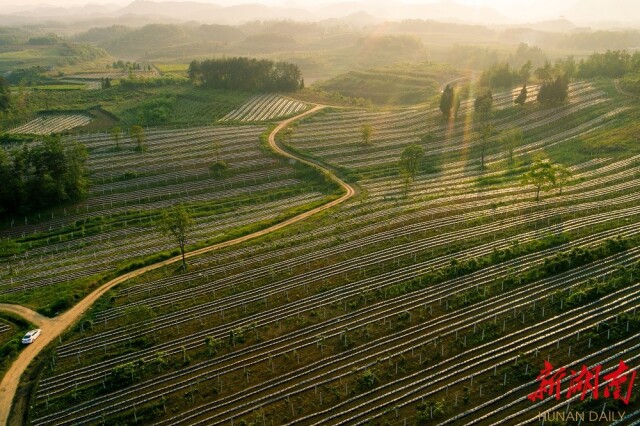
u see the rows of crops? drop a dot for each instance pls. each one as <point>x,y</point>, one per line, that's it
<point>116,223</point>
<point>438,306</point>
<point>52,123</point>
<point>392,132</point>
<point>264,108</point>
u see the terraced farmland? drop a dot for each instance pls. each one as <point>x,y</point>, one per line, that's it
<point>438,305</point>
<point>265,108</point>
<point>115,225</point>
<point>52,123</point>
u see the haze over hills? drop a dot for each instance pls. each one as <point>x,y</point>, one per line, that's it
<point>615,13</point>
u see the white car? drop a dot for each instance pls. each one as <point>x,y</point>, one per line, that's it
<point>31,336</point>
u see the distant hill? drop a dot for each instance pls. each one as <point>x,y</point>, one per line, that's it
<point>401,84</point>
<point>133,43</point>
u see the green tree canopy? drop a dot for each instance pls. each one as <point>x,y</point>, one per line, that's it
<point>449,102</point>
<point>366,132</point>
<point>251,75</point>
<point>5,95</point>
<point>410,160</point>
<point>41,176</point>
<point>177,223</point>
<point>541,175</point>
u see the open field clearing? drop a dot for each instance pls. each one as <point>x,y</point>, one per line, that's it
<point>436,303</point>
<point>52,123</point>
<point>265,108</point>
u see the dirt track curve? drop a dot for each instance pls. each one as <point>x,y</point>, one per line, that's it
<point>54,327</point>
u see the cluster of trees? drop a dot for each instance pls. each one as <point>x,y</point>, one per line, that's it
<point>41,176</point>
<point>503,76</point>
<point>554,91</point>
<point>544,176</point>
<point>105,83</point>
<point>129,66</point>
<point>612,64</point>
<point>250,75</point>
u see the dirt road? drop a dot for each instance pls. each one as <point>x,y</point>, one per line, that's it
<point>54,327</point>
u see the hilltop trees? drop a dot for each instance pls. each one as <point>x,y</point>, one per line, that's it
<point>251,75</point>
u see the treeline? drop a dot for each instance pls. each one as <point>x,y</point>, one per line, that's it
<point>612,63</point>
<point>244,74</point>
<point>41,176</point>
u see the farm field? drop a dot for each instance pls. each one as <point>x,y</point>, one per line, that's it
<point>51,123</point>
<point>73,248</point>
<point>434,302</point>
<point>265,108</point>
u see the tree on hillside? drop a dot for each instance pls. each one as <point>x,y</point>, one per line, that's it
<point>409,161</point>
<point>177,223</point>
<point>137,135</point>
<point>522,97</point>
<point>541,175</point>
<point>449,102</point>
<point>219,166</point>
<point>510,139</point>
<point>483,105</point>
<point>366,132</point>
<point>116,132</point>
<point>483,102</point>
<point>544,73</point>
<point>5,95</point>
<point>525,73</point>
<point>562,175</point>
<point>554,91</point>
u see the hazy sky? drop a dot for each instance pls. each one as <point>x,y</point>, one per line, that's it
<point>520,10</point>
<point>506,6</point>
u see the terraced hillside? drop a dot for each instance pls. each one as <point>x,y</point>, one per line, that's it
<point>435,304</point>
<point>265,108</point>
<point>68,250</point>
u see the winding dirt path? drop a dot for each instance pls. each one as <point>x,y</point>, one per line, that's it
<point>54,327</point>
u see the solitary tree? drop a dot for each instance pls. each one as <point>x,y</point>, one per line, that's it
<point>486,130</point>
<point>409,161</point>
<point>449,102</point>
<point>510,139</point>
<point>482,106</point>
<point>137,135</point>
<point>177,223</point>
<point>116,132</point>
<point>522,97</point>
<point>287,134</point>
<point>366,131</point>
<point>525,72</point>
<point>541,174</point>
<point>562,175</point>
<point>219,166</point>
